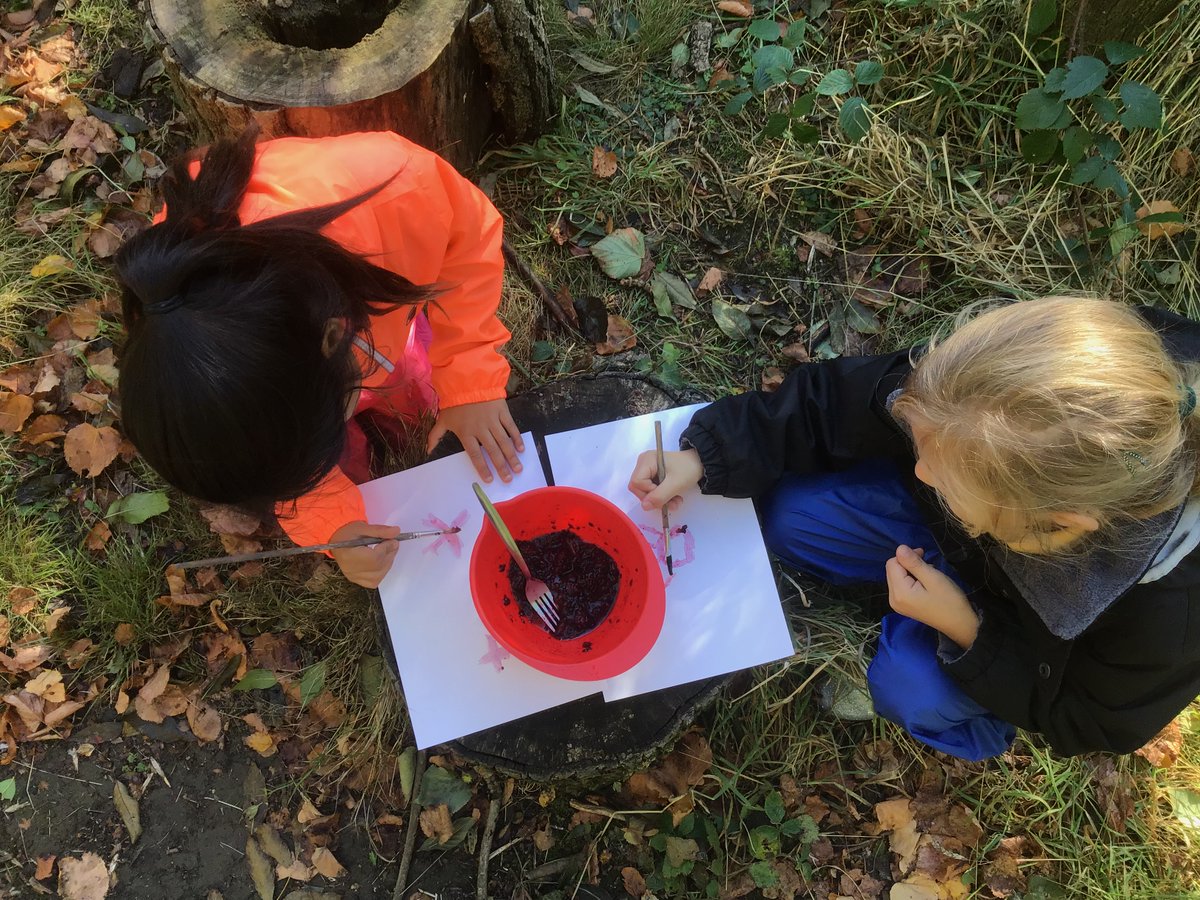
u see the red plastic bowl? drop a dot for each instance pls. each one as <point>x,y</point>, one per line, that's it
<point>616,644</point>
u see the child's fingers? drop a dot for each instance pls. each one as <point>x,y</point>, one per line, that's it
<point>475,454</point>
<point>514,432</point>
<point>496,456</point>
<point>505,442</point>
<point>913,561</point>
<point>641,481</point>
<point>435,435</point>
<point>380,531</point>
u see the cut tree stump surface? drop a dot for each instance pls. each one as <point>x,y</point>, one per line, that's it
<point>587,737</point>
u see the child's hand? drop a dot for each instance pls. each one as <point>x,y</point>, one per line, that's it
<point>487,432</point>
<point>365,565</point>
<point>684,472</point>
<point>918,590</point>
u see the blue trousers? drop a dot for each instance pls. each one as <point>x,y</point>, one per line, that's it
<point>842,527</point>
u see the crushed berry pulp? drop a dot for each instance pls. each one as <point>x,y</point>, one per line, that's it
<point>583,579</point>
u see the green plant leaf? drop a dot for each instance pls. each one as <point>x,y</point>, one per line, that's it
<point>774,808</point>
<point>1108,147</point>
<point>662,299</point>
<point>1042,14</point>
<point>772,56</point>
<point>1038,110</point>
<point>681,850</point>
<point>765,79</point>
<point>868,72</point>
<point>1122,52</point>
<point>257,680</point>
<point>1084,75</point>
<point>777,124</point>
<point>406,770</point>
<point>737,103</point>
<point>542,351</point>
<point>1105,108</point>
<point>727,40</point>
<point>681,294</point>
<point>680,56</point>
<point>799,77</point>
<point>312,682</point>
<point>1076,142</point>
<point>795,34</point>
<point>137,508</point>
<point>1042,888</point>
<point>764,30</point>
<point>803,106</point>
<point>1143,108</point>
<point>764,874</point>
<point>764,842</point>
<point>839,81</point>
<point>1111,179</point>
<point>594,65</point>
<point>442,786</point>
<point>1038,147</point>
<point>1086,171</point>
<point>805,133</point>
<point>8,789</point>
<point>1055,80</point>
<point>855,118</point>
<point>803,826</point>
<point>622,253</point>
<point>732,321</point>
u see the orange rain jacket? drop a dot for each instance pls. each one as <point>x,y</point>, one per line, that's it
<point>429,225</point>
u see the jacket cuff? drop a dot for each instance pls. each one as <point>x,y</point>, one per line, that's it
<point>716,473</point>
<point>967,665</point>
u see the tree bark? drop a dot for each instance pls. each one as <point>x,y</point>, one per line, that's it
<point>299,67</point>
<point>1087,24</point>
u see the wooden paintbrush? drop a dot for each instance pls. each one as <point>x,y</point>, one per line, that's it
<point>316,548</point>
<point>662,473</point>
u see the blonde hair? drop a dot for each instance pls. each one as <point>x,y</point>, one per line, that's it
<point>1063,404</point>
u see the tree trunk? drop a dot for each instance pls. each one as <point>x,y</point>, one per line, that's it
<point>1087,24</point>
<point>448,74</point>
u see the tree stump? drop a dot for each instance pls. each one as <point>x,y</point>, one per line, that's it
<point>447,74</point>
<point>1087,24</point>
<point>587,737</point>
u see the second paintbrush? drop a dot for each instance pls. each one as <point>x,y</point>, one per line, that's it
<point>662,473</point>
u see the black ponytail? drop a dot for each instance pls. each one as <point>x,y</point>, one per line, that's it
<point>226,389</point>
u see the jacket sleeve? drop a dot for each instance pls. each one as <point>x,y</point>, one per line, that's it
<point>1117,685</point>
<point>311,519</point>
<point>824,416</point>
<point>467,334</point>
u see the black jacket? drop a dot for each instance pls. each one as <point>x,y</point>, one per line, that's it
<point>1111,687</point>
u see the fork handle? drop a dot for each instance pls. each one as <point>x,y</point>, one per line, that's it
<point>501,529</point>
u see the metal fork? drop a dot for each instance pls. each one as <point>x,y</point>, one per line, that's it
<point>536,592</point>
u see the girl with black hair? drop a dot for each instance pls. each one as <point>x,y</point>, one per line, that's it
<point>293,287</point>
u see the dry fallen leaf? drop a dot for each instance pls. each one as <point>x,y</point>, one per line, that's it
<point>620,337</point>
<point>261,871</point>
<point>273,845</point>
<point>10,116</point>
<point>127,807</point>
<point>772,378</point>
<point>543,839</point>
<point>635,884</point>
<point>14,410</point>
<point>98,537</point>
<point>151,690</point>
<point>743,8</point>
<point>326,863</point>
<point>123,634</point>
<point>54,264</point>
<point>1155,230</point>
<point>204,721</point>
<point>230,520</point>
<point>295,870</point>
<point>435,823</point>
<point>54,618</point>
<point>604,163</point>
<point>82,878</point>
<point>22,601</point>
<point>45,866</point>
<point>89,450</point>
<point>1183,162</point>
<point>4,630</point>
<point>711,280</point>
<point>48,685</point>
<point>1163,749</point>
<point>43,429</point>
<point>308,812</point>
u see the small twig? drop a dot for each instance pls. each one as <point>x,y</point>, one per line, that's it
<point>485,846</point>
<point>410,836</point>
<point>535,284</point>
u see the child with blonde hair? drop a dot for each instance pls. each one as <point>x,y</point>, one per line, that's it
<point>1024,487</point>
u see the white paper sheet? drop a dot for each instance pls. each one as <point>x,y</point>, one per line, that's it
<point>723,609</point>
<point>457,679</point>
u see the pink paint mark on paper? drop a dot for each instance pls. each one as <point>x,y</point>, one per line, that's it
<point>496,655</point>
<point>450,540</point>
<point>683,545</point>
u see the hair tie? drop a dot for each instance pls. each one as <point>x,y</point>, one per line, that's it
<point>158,307</point>
<point>1130,457</point>
<point>1187,405</point>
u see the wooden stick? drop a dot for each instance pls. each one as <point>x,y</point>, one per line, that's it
<point>556,310</point>
<point>485,843</point>
<point>296,551</point>
<point>410,835</point>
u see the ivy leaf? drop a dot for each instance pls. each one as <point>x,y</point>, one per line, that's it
<point>1042,14</point>
<point>135,509</point>
<point>855,118</point>
<point>256,680</point>
<point>764,29</point>
<point>732,321</point>
<point>1038,110</point>
<point>1084,75</point>
<point>1038,147</point>
<point>1122,52</point>
<point>622,253</point>
<point>868,72</point>
<point>839,81</point>
<point>1143,109</point>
